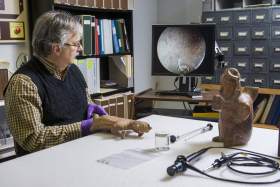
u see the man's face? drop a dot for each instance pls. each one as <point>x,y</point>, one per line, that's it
<point>70,49</point>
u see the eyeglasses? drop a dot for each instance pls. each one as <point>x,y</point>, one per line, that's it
<point>77,44</point>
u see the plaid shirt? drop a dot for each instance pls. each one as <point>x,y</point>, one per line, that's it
<point>25,113</point>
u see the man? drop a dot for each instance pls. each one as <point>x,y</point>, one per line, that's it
<point>46,99</point>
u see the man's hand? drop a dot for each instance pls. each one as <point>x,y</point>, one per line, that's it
<point>118,126</point>
<point>95,109</point>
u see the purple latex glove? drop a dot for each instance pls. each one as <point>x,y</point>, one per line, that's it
<point>85,126</point>
<point>95,109</point>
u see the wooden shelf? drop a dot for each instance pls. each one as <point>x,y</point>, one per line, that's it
<point>268,91</point>
<point>266,126</point>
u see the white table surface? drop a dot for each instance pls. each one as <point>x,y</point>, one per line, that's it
<point>74,164</point>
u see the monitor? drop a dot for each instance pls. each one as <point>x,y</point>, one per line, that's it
<point>183,49</point>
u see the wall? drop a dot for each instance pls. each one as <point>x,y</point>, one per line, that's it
<point>144,16</point>
<point>175,12</point>
<point>10,52</point>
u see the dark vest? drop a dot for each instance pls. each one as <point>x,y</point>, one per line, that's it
<point>63,101</point>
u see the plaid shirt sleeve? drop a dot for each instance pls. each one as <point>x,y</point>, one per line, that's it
<point>24,115</point>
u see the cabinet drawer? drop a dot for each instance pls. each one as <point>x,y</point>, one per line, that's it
<point>242,33</point>
<point>242,64</point>
<point>224,33</point>
<point>242,48</point>
<point>224,18</point>
<point>276,15</point>
<point>209,17</point>
<point>226,48</point>
<point>259,65</point>
<point>242,17</point>
<point>259,80</point>
<point>274,65</point>
<point>259,48</point>
<point>275,31</point>
<point>260,15</point>
<point>260,32</point>
<point>274,80</point>
<point>274,49</point>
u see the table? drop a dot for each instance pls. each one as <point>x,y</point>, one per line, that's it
<point>74,164</point>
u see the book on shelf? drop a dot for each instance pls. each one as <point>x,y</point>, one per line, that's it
<point>267,109</point>
<point>97,35</point>
<point>82,2</point>
<point>121,70</point>
<point>87,34</point>
<point>93,33</point>
<point>72,2</point>
<point>259,109</point>
<point>115,38</point>
<point>101,38</point>
<point>91,3</point>
<point>99,3</point>
<point>204,111</point>
<point>90,68</point>
<point>108,4</point>
<point>61,1</point>
<point>108,42</point>
<point>273,109</point>
<point>120,38</point>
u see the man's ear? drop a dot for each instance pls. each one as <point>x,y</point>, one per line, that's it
<point>56,49</point>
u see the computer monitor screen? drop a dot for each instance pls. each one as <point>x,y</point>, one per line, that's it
<point>183,50</point>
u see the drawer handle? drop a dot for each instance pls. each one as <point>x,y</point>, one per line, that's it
<point>242,33</point>
<point>224,49</point>
<point>277,16</point>
<point>258,65</point>
<point>225,18</point>
<point>209,19</point>
<point>242,18</point>
<point>224,34</point>
<point>259,49</point>
<point>276,81</point>
<point>241,49</point>
<point>260,17</point>
<point>241,64</point>
<point>276,65</point>
<point>259,33</point>
<point>258,80</point>
<point>209,78</point>
<point>276,49</point>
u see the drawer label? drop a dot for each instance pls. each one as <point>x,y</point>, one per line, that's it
<point>209,19</point>
<point>224,34</point>
<point>260,17</point>
<point>225,18</point>
<point>276,81</point>
<point>224,49</point>
<point>259,49</point>
<point>241,64</point>
<point>259,33</point>
<point>276,65</point>
<point>241,49</point>
<point>276,49</point>
<point>258,81</point>
<point>242,18</point>
<point>242,33</point>
<point>258,65</point>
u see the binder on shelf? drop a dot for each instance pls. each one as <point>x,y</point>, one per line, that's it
<point>108,42</point>
<point>91,3</point>
<point>87,36</point>
<point>115,38</point>
<point>121,70</point>
<point>120,35</point>
<point>267,108</point>
<point>93,33</point>
<point>99,3</point>
<point>101,37</point>
<point>108,4</point>
<point>97,36</point>
<point>259,109</point>
<point>273,110</point>
<point>82,3</point>
<point>72,2</point>
<point>125,37</point>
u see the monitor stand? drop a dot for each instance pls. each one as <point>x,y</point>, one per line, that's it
<point>187,87</point>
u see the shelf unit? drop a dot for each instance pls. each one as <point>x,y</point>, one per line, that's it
<point>37,8</point>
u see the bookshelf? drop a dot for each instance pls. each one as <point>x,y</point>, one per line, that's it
<point>100,9</point>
